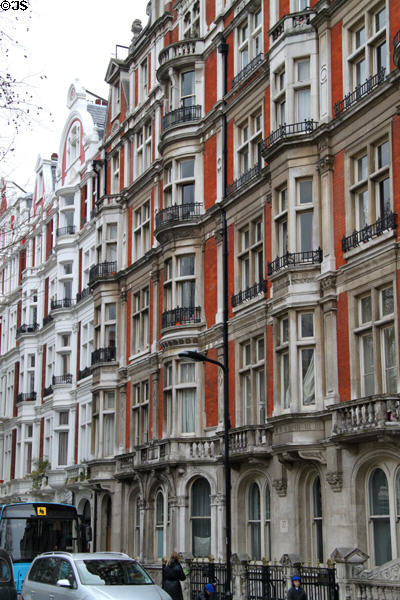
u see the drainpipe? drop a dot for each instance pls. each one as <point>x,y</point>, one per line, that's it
<point>223,49</point>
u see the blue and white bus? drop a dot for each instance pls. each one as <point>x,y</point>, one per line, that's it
<point>30,528</point>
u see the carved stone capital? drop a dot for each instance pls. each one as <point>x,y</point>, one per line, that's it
<point>326,163</point>
<point>280,486</point>
<point>123,295</point>
<point>328,282</point>
<point>335,480</point>
<point>155,275</point>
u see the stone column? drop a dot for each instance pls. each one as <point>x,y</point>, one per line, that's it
<point>155,377</point>
<point>155,282</point>
<point>325,167</point>
<point>329,310</point>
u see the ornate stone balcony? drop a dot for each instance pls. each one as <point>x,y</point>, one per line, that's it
<point>184,52</point>
<point>363,418</point>
<point>244,442</point>
<point>294,22</point>
<point>62,379</point>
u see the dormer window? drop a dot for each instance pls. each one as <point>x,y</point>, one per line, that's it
<point>191,22</point>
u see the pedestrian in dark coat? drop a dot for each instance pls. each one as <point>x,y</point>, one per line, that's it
<point>172,576</point>
<point>296,592</point>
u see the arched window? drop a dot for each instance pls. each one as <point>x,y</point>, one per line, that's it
<point>255,521</point>
<point>160,524</point>
<point>380,516</point>
<point>317,520</point>
<point>268,522</point>
<point>201,518</point>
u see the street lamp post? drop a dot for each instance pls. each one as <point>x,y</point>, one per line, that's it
<point>197,356</point>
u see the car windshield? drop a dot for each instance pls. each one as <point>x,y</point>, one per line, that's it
<point>112,572</point>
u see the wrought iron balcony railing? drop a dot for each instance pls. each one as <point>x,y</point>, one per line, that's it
<point>63,303</point>
<point>360,92</point>
<point>47,319</point>
<point>285,130</point>
<point>183,314</point>
<point>178,213</point>
<point>27,397</point>
<point>251,66</point>
<point>82,373</point>
<point>27,328</point>
<point>47,391</point>
<point>68,230</point>
<point>385,223</point>
<point>104,269</point>
<point>62,379</point>
<point>181,115</point>
<point>249,293</point>
<point>83,294</point>
<point>104,355</point>
<point>243,180</point>
<point>396,49</point>
<point>291,259</point>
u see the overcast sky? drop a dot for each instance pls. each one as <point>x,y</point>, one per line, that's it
<point>67,39</point>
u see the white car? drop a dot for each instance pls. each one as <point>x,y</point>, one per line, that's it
<point>89,576</point>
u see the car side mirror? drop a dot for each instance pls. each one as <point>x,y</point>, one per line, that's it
<point>64,583</point>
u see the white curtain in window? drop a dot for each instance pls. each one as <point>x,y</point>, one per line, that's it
<point>307,359</point>
<point>303,104</point>
<point>390,361</point>
<point>188,398</point>
<point>108,430</point>
<point>63,447</point>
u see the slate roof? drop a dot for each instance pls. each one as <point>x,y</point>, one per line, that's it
<point>99,114</point>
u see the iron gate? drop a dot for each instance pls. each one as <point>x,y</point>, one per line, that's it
<point>319,583</point>
<point>203,573</point>
<point>266,582</point>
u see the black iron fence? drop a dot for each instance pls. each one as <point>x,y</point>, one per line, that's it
<point>360,91</point>
<point>47,320</point>
<point>82,373</point>
<point>63,303</point>
<point>27,328</point>
<point>104,269</point>
<point>202,573</point>
<point>319,583</point>
<point>295,258</point>
<point>249,293</point>
<point>251,66</point>
<point>177,316</point>
<point>384,223</point>
<point>68,230</point>
<point>177,213</point>
<point>83,294</point>
<point>47,391</point>
<point>242,180</point>
<point>266,582</point>
<point>285,130</point>
<point>181,115</point>
<point>103,355</point>
<point>26,397</point>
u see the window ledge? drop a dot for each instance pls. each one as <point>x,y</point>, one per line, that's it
<point>139,354</point>
<point>364,246</point>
